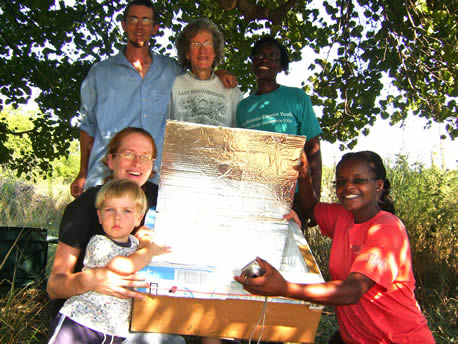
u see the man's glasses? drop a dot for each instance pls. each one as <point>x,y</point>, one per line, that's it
<point>198,45</point>
<point>132,156</point>
<point>353,181</point>
<point>262,56</point>
<point>135,20</point>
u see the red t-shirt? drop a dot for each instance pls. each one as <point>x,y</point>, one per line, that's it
<point>379,249</point>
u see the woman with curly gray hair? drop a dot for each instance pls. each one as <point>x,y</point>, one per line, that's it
<point>198,96</point>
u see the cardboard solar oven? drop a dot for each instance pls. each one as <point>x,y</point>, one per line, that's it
<point>222,198</point>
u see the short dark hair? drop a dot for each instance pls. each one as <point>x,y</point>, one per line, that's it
<point>147,3</point>
<point>183,41</point>
<point>284,58</point>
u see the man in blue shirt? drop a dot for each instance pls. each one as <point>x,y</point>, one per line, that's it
<point>131,89</point>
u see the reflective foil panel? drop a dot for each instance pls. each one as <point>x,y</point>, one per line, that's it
<point>223,194</point>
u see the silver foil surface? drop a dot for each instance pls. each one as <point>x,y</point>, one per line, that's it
<point>223,194</point>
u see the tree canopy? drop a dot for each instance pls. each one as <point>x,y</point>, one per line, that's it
<point>360,45</point>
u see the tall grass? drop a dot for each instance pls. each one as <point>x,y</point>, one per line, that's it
<point>321,247</point>
<point>24,317</point>
<point>24,311</point>
<point>425,200</point>
<point>23,204</point>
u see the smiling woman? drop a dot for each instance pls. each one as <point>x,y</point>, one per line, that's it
<point>201,54</point>
<point>198,96</point>
<point>370,262</point>
<point>130,155</point>
<point>80,222</point>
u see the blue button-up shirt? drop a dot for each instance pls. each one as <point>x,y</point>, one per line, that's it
<point>114,96</point>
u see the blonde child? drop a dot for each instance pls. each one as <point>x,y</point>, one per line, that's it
<point>94,317</point>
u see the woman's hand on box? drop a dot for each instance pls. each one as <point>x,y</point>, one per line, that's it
<point>271,283</point>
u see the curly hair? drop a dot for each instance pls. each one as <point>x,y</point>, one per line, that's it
<point>376,165</point>
<point>183,41</point>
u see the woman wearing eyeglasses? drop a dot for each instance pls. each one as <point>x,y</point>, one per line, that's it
<point>281,109</point>
<point>372,282</point>
<point>198,96</point>
<point>130,155</point>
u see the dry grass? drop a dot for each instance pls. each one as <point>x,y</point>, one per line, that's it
<point>24,316</point>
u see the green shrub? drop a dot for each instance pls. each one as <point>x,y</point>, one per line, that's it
<point>23,161</point>
<point>426,201</point>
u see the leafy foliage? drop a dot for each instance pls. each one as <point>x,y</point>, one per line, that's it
<point>24,150</point>
<point>426,200</point>
<point>361,46</point>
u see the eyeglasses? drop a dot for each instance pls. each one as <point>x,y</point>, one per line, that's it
<point>262,56</point>
<point>354,181</point>
<point>135,20</point>
<point>132,156</point>
<point>198,45</point>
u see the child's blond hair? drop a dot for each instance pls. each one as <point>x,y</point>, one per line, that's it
<point>121,188</point>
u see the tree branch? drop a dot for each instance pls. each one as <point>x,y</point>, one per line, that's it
<point>227,5</point>
<point>20,133</point>
<point>252,11</point>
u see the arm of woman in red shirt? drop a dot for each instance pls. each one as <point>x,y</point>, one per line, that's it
<point>272,283</point>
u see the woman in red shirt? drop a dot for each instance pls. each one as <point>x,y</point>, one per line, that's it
<point>370,264</point>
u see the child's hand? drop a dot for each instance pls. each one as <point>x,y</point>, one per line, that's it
<point>143,231</point>
<point>145,236</point>
<point>160,249</point>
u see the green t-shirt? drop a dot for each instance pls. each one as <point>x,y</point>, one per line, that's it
<point>286,110</point>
